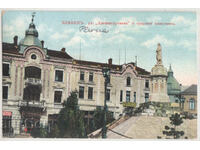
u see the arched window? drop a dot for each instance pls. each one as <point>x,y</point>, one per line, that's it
<point>191,104</point>
<point>32,72</point>
<point>128,81</point>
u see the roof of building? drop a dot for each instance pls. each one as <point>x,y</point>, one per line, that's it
<point>31,38</point>
<point>10,48</point>
<point>192,90</point>
<point>113,66</point>
<point>173,86</point>
<point>58,54</point>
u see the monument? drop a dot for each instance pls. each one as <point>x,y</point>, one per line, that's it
<point>159,79</point>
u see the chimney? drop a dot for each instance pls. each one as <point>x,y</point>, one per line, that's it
<point>63,50</point>
<point>15,40</point>
<point>42,43</point>
<point>110,61</point>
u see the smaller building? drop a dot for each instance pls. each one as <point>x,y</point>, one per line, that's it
<point>190,97</point>
<point>173,87</point>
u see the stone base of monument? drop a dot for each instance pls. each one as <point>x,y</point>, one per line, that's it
<point>160,97</point>
<point>162,109</point>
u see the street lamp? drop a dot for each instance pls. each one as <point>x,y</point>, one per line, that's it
<point>106,75</point>
<point>181,99</point>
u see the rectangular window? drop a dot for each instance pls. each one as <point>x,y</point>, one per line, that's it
<point>128,81</point>
<point>59,75</point>
<point>128,93</point>
<point>91,76</point>
<point>5,92</point>
<point>191,104</point>
<point>82,76</point>
<point>90,93</point>
<point>146,97</point>
<point>134,96</point>
<point>108,95</point>
<point>121,96</point>
<point>146,83</point>
<point>6,70</point>
<point>57,96</point>
<point>81,92</point>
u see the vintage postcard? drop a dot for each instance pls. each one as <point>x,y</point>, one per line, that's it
<point>99,74</point>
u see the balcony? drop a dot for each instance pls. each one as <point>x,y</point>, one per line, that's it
<point>39,104</point>
<point>146,89</point>
<point>33,81</point>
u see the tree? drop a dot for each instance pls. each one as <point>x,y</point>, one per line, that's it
<point>175,120</point>
<point>70,123</point>
<point>98,117</point>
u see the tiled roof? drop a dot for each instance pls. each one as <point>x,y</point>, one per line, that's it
<point>97,64</point>
<point>58,54</point>
<point>113,66</point>
<point>192,90</point>
<point>10,48</point>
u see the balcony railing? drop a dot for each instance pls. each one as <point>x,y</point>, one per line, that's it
<point>40,104</point>
<point>34,81</point>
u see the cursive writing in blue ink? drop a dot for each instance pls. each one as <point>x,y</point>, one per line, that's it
<point>86,29</point>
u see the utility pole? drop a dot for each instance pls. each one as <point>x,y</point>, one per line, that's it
<point>135,60</point>
<point>119,56</point>
<point>125,55</point>
<point>80,51</point>
<point>106,75</point>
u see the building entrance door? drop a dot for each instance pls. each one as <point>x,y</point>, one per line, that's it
<point>7,123</point>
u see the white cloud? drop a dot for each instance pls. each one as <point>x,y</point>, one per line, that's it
<point>74,41</point>
<point>43,28</point>
<point>189,45</point>
<point>154,19</point>
<point>15,27</point>
<point>63,35</point>
<point>158,39</point>
<point>187,25</point>
<point>119,38</point>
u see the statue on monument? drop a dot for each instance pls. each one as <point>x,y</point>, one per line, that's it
<point>159,54</point>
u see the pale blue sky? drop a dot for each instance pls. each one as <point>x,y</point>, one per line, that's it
<point>178,41</point>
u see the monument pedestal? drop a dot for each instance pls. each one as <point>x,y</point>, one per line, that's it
<point>159,84</point>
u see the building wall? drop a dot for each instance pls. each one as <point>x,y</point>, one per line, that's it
<point>71,81</point>
<point>187,103</point>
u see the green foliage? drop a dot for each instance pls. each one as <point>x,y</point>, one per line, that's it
<point>39,132</point>
<point>175,120</point>
<point>70,123</point>
<point>98,118</point>
<point>43,132</point>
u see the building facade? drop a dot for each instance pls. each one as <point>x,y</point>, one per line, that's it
<point>190,99</point>
<point>37,80</point>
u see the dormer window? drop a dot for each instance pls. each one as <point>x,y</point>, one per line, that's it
<point>128,81</point>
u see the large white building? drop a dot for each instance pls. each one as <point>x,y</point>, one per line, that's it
<point>36,81</point>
